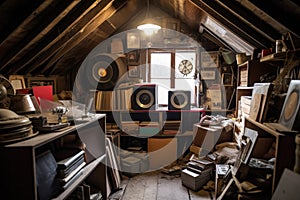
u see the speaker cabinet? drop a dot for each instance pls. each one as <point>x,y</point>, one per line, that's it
<point>179,100</point>
<point>144,97</point>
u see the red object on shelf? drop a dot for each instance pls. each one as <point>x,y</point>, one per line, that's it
<point>43,92</point>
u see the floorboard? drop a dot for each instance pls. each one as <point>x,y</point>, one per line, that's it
<point>160,186</point>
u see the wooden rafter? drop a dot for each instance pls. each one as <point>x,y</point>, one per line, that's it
<point>251,19</point>
<point>43,54</point>
<point>20,32</point>
<point>40,35</point>
<point>105,13</point>
<point>232,22</point>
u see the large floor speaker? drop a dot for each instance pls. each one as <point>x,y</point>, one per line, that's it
<point>179,100</point>
<point>290,114</point>
<point>144,97</point>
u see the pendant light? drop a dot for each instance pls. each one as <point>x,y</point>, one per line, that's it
<point>148,26</point>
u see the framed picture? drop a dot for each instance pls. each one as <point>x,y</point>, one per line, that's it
<point>227,79</point>
<point>116,46</point>
<point>133,72</point>
<point>133,58</point>
<point>209,59</point>
<point>208,75</point>
<point>42,81</point>
<point>171,27</point>
<point>17,81</point>
<point>133,40</point>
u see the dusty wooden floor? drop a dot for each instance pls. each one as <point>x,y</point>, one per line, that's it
<point>159,186</point>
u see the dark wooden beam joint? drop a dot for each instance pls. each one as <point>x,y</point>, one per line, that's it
<point>233,23</point>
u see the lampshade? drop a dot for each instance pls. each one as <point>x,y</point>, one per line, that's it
<point>148,26</point>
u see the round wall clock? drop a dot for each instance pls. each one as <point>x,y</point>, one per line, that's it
<point>185,67</point>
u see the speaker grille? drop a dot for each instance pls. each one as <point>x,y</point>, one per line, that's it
<point>144,97</point>
<point>179,100</point>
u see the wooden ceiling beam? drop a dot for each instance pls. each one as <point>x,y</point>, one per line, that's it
<point>31,44</point>
<point>232,22</point>
<point>76,39</point>
<point>251,19</point>
<point>43,53</point>
<point>285,12</point>
<point>20,33</point>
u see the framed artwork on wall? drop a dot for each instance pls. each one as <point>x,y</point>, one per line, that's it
<point>133,58</point>
<point>133,71</point>
<point>209,59</point>
<point>227,79</point>
<point>42,81</point>
<point>208,75</point>
<point>133,40</point>
<point>17,81</point>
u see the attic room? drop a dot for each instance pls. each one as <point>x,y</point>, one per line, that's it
<point>149,99</point>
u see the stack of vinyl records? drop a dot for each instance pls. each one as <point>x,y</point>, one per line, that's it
<point>14,127</point>
<point>69,169</point>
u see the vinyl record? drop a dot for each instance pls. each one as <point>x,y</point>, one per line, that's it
<point>291,105</point>
<point>16,134</point>
<point>104,70</point>
<point>290,110</point>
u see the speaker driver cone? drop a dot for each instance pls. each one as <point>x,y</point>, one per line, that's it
<point>179,100</point>
<point>144,99</point>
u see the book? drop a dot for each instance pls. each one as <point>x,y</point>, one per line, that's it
<point>195,165</point>
<point>65,163</point>
<point>62,173</point>
<point>73,173</point>
<point>192,169</point>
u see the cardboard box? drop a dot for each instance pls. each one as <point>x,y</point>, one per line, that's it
<point>193,180</point>
<point>207,137</point>
<point>162,152</point>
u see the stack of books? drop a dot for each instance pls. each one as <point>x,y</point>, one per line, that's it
<point>103,100</point>
<point>197,173</point>
<point>69,169</point>
<point>122,98</point>
<point>243,77</point>
<point>246,105</point>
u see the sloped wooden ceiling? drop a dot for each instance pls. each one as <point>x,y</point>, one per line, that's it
<point>53,36</point>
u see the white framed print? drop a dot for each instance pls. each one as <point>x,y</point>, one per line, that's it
<point>133,71</point>
<point>133,40</point>
<point>209,59</point>
<point>208,75</point>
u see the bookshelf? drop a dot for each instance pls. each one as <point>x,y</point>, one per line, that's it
<point>284,148</point>
<point>19,173</point>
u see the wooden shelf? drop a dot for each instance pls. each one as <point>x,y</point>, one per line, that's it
<point>284,148</point>
<point>19,169</point>
<point>275,57</point>
<point>86,171</point>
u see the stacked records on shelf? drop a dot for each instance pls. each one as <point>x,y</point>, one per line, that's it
<point>14,127</point>
<point>69,169</point>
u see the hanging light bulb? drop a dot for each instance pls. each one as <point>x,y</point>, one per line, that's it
<point>148,25</point>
